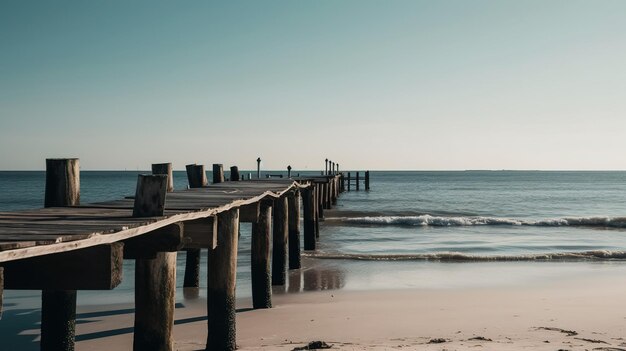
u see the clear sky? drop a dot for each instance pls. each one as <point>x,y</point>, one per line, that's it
<point>370,84</point>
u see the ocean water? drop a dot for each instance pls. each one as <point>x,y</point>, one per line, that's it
<point>418,230</point>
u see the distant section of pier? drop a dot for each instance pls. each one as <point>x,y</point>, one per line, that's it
<point>68,246</point>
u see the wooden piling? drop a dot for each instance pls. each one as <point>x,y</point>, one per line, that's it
<point>218,173</point>
<point>308,207</point>
<point>58,307</point>
<point>165,168</point>
<point>222,275</point>
<point>280,231</point>
<point>326,167</point>
<point>357,181</point>
<point>289,171</point>
<point>261,281</point>
<point>258,168</point>
<point>293,212</point>
<point>318,210</point>
<point>234,174</point>
<point>1,289</point>
<point>155,279</point>
<point>196,176</point>
<point>349,179</point>
<point>197,179</point>
<point>367,180</point>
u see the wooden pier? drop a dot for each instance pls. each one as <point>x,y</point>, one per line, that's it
<point>68,246</point>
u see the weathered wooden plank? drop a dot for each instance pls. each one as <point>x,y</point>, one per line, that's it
<point>94,268</point>
<point>119,226</point>
<point>249,213</point>
<point>166,239</point>
<point>201,233</point>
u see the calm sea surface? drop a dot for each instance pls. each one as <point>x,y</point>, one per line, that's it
<point>413,229</point>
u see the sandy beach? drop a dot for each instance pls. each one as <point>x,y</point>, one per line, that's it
<point>585,313</point>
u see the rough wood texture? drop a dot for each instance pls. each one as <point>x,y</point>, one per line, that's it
<point>58,320</point>
<point>1,289</point>
<point>94,268</point>
<point>58,310</point>
<point>155,290</point>
<point>280,231</point>
<point>294,229</point>
<point>62,182</point>
<point>222,274</point>
<point>166,239</point>
<point>260,265</point>
<point>155,279</point>
<point>30,233</point>
<point>165,168</point>
<point>308,206</point>
<point>234,174</point>
<point>196,176</point>
<point>150,195</point>
<point>249,213</point>
<point>201,233</point>
<point>218,173</point>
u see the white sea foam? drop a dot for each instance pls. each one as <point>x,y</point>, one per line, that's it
<point>441,221</point>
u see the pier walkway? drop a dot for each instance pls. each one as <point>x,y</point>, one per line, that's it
<point>68,246</point>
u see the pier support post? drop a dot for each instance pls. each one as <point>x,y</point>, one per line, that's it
<point>280,230</point>
<point>155,279</point>
<point>197,179</point>
<point>357,181</point>
<point>349,179</point>
<point>318,211</point>
<point>308,206</point>
<point>293,212</point>
<point>234,173</point>
<point>326,167</point>
<point>289,171</point>
<point>1,288</point>
<point>218,173</point>
<point>58,307</point>
<point>367,180</point>
<point>261,285</point>
<point>222,274</point>
<point>258,168</point>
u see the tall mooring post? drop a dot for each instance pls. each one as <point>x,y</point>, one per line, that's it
<point>357,181</point>
<point>58,307</point>
<point>326,167</point>
<point>289,171</point>
<point>165,168</point>
<point>218,173</point>
<point>196,176</point>
<point>155,274</point>
<point>258,168</point>
<point>367,180</point>
<point>234,174</point>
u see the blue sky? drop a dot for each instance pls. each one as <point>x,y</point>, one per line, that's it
<point>370,84</point>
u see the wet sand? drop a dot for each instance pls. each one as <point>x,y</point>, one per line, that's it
<point>585,313</point>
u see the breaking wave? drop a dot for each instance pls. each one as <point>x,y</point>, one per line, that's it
<point>597,255</point>
<point>442,221</point>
